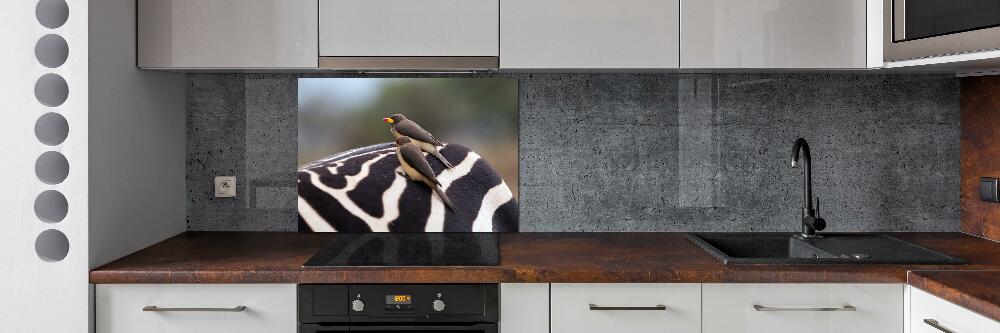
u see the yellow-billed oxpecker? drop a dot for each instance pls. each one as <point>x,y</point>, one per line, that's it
<point>401,126</point>
<point>416,168</point>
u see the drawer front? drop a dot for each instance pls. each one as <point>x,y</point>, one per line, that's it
<point>571,310</point>
<point>796,308</point>
<point>946,315</point>
<point>269,308</point>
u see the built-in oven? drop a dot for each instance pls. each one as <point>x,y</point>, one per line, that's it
<point>916,29</point>
<point>385,308</point>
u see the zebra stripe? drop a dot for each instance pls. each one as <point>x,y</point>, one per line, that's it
<point>360,191</point>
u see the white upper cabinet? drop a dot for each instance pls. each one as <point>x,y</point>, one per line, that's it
<point>227,33</point>
<point>776,34</point>
<point>407,28</point>
<point>589,34</point>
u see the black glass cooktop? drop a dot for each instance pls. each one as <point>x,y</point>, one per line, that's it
<point>409,249</point>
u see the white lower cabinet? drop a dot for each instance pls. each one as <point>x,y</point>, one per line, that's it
<point>802,308</point>
<point>625,307</point>
<point>524,308</point>
<point>930,314</point>
<point>190,308</point>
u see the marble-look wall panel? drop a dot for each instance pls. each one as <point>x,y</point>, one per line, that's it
<point>980,151</point>
<point>641,152</point>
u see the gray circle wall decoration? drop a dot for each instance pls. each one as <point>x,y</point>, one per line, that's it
<point>51,206</point>
<point>52,13</point>
<point>52,245</point>
<point>51,90</point>
<point>52,167</point>
<point>52,129</point>
<point>51,51</point>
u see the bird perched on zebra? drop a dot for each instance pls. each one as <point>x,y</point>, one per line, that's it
<point>416,168</point>
<point>402,126</point>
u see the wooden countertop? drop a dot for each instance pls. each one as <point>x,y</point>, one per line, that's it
<point>263,257</point>
<point>974,290</point>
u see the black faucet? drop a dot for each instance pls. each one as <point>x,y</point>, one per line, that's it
<point>811,222</point>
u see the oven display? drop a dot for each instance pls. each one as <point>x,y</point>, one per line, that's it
<point>398,299</point>
<point>398,303</point>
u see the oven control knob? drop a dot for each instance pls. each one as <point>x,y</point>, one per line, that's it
<point>358,305</point>
<point>438,305</point>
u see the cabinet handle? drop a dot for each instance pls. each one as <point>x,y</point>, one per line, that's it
<point>159,309</point>
<point>848,307</point>
<point>595,307</point>
<point>935,324</point>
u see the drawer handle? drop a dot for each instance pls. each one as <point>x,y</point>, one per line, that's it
<point>848,307</point>
<point>159,309</point>
<point>657,307</point>
<point>935,324</point>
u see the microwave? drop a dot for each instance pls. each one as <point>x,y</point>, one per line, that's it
<point>915,29</point>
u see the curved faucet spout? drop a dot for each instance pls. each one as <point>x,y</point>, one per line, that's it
<point>810,222</point>
<point>807,188</point>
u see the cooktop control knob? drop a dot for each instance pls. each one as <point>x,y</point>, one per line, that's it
<point>358,305</point>
<point>438,305</point>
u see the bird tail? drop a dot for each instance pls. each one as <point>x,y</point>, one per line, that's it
<point>444,197</point>
<point>443,160</point>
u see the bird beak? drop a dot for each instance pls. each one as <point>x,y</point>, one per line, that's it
<point>388,120</point>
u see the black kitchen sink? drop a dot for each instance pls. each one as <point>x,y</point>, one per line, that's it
<point>831,248</point>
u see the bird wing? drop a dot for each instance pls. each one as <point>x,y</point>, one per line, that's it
<point>415,158</point>
<point>414,131</point>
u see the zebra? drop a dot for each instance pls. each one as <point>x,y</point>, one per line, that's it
<point>360,191</point>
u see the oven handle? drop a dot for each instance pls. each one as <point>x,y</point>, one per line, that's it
<point>485,328</point>
<point>482,327</point>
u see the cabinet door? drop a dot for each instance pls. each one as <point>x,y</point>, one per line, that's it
<point>524,308</point>
<point>773,34</point>
<point>269,308</point>
<point>625,307</point>
<point>930,314</point>
<point>407,28</point>
<point>802,308</point>
<point>227,33</point>
<point>555,34</point>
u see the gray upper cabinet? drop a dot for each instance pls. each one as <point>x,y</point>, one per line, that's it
<point>192,34</point>
<point>408,28</point>
<point>589,34</point>
<point>509,34</point>
<point>774,34</point>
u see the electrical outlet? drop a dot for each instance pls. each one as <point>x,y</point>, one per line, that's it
<point>225,187</point>
<point>988,189</point>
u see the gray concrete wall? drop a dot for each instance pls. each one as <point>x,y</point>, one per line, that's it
<point>640,152</point>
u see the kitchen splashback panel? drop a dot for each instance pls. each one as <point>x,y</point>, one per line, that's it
<point>639,152</point>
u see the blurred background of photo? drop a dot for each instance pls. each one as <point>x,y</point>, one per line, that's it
<point>340,114</point>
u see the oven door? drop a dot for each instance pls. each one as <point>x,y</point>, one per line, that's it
<point>475,328</point>
<point>916,29</point>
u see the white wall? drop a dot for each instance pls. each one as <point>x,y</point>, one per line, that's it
<point>125,150</point>
<point>137,186</point>
<point>38,295</point>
